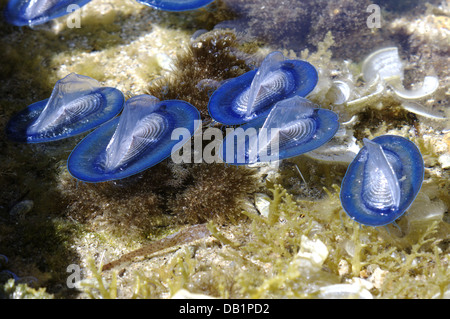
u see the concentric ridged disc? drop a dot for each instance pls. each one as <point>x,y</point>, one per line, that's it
<point>236,103</point>
<point>175,5</point>
<point>293,127</point>
<point>138,146</point>
<point>376,191</point>
<point>272,89</point>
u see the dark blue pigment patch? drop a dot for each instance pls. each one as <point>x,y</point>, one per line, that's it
<point>26,12</point>
<point>276,79</point>
<point>137,140</point>
<point>176,5</point>
<point>108,103</point>
<point>367,194</point>
<point>301,128</point>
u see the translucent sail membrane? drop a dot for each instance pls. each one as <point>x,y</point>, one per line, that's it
<point>73,97</point>
<point>36,8</point>
<point>251,96</point>
<point>77,104</point>
<point>290,122</point>
<point>381,189</point>
<point>139,127</point>
<point>34,12</point>
<point>263,79</point>
<point>293,127</point>
<point>147,132</point>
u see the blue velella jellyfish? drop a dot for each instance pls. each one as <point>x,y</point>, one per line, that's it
<point>176,5</point>
<point>140,138</point>
<point>293,127</point>
<point>253,94</point>
<point>382,181</point>
<point>77,104</point>
<point>34,12</point>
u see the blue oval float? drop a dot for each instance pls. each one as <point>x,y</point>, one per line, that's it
<point>78,104</point>
<point>176,5</point>
<point>293,127</point>
<point>382,181</point>
<point>34,12</point>
<point>140,138</point>
<point>253,94</point>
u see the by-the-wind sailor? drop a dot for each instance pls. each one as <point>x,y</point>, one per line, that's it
<point>77,104</point>
<point>34,12</point>
<point>176,5</point>
<point>382,181</point>
<point>253,94</point>
<point>140,138</point>
<point>293,127</point>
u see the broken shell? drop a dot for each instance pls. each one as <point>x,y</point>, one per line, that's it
<point>314,251</point>
<point>345,291</point>
<point>385,65</point>
<point>382,64</point>
<point>429,85</point>
<point>419,109</point>
<point>339,93</point>
<point>262,203</point>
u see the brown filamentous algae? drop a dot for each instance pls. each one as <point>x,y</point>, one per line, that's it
<point>184,236</point>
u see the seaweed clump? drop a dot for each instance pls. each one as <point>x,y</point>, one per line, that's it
<point>209,59</point>
<point>218,193</point>
<point>306,249</point>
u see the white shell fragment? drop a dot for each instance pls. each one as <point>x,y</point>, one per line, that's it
<point>315,252</point>
<point>421,110</point>
<point>342,148</point>
<point>444,160</point>
<point>262,203</point>
<point>430,84</point>
<point>423,209</point>
<point>345,291</point>
<point>339,92</point>
<point>382,64</point>
<point>186,294</point>
<point>385,65</point>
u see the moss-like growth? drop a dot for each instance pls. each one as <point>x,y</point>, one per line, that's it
<point>218,193</point>
<point>211,58</point>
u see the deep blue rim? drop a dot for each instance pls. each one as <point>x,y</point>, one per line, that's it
<point>409,155</point>
<point>168,5</point>
<point>327,126</point>
<point>82,161</point>
<point>16,129</point>
<point>13,12</point>
<point>219,106</point>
